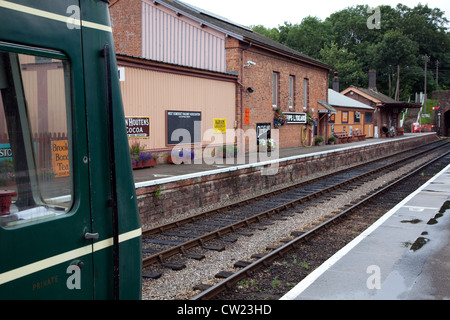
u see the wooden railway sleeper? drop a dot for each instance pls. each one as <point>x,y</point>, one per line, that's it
<point>269,213</point>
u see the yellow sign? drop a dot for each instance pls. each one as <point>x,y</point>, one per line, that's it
<point>220,125</point>
<point>60,158</point>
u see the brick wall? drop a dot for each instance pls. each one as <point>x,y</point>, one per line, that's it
<point>260,77</point>
<point>195,195</point>
<point>126,25</point>
<point>444,100</point>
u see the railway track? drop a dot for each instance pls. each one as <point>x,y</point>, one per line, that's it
<point>223,226</point>
<point>226,223</point>
<point>251,283</point>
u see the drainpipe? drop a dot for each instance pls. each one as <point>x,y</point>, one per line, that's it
<point>242,86</point>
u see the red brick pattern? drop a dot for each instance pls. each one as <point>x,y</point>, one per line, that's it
<point>126,25</point>
<point>192,195</point>
<point>260,77</point>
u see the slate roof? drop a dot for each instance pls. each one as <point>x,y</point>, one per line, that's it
<point>377,95</point>
<point>384,99</point>
<point>339,100</point>
<point>236,30</point>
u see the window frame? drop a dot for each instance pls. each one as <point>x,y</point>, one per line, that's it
<point>275,89</point>
<point>306,94</point>
<point>292,92</point>
<point>36,182</point>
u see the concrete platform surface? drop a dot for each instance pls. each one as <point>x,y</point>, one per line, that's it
<point>405,255</point>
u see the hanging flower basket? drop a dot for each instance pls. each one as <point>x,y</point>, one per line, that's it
<point>309,119</point>
<point>279,119</point>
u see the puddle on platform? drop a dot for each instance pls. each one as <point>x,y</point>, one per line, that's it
<point>419,243</point>
<point>444,208</point>
<point>414,221</point>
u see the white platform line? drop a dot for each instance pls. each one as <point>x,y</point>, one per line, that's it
<point>313,276</point>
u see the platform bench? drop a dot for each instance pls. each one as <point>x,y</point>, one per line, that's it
<point>342,137</point>
<point>358,136</point>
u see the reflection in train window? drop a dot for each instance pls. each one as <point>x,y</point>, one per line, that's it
<point>35,142</point>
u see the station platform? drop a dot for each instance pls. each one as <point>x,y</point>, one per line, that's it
<point>165,173</point>
<point>405,255</point>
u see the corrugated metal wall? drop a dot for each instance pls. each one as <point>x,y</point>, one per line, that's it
<point>151,93</point>
<point>179,40</point>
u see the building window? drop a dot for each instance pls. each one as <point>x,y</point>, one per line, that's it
<point>368,117</point>
<point>357,117</point>
<point>275,86</point>
<point>332,118</point>
<point>306,94</point>
<point>291,92</point>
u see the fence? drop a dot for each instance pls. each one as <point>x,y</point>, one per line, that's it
<point>42,143</point>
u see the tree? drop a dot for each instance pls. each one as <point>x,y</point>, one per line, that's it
<point>309,37</point>
<point>347,65</point>
<point>395,50</point>
<point>273,33</point>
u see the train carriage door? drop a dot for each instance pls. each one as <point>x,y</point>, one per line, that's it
<point>46,236</point>
<point>113,206</point>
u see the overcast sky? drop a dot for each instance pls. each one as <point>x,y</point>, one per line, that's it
<point>271,13</point>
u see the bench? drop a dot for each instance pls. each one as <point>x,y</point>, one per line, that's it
<point>358,135</point>
<point>342,137</point>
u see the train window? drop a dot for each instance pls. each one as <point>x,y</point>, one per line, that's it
<point>35,142</point>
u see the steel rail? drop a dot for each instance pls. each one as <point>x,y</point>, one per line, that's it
<point>181,222</point>
<point>227,283</point>
<point>161,256</point>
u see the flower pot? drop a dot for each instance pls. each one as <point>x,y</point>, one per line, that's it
<point>138,165</point>
<point>149,163</point>
<point>5,201</point>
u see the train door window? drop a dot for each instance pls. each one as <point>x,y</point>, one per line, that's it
<point>35,140</point>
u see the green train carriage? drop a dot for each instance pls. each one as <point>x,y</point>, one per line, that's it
<point>69,224</point>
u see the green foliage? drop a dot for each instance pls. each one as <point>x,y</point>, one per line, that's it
<point>349,67</point>
<point>345,42</point>
<point>6,171</point>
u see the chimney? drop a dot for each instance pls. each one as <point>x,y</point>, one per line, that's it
<point>373,80</point>
<point>336,82</point>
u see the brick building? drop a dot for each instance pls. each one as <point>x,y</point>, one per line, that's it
<point>269,76</point>
<point>442,116</point>
<point>387,111</point>
<point>273,77</point>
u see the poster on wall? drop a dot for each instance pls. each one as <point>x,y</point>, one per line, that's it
<point>183,127</point>
<point>60,158</point>
<point>220,125</point>
<point>5,151</point>
<point>262,131</point>
<point>137,127</point>
<point>247,116</point>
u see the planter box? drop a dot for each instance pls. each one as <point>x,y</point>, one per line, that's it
<point>150,163</point>
<point>145,164</point>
